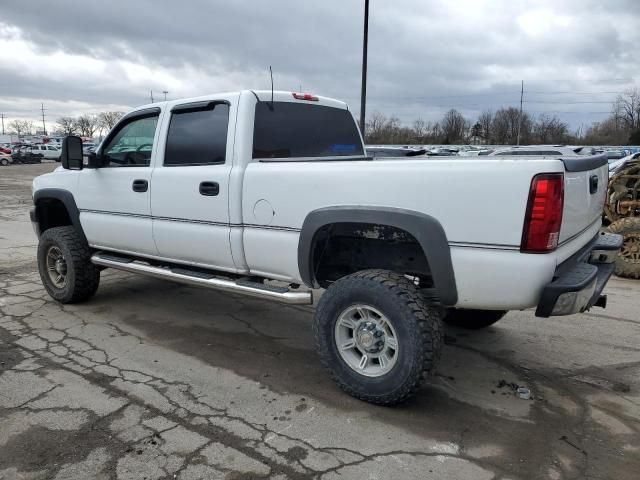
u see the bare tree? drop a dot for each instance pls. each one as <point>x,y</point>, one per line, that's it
<point>21,127</point>
<point>627,109</point>
<point>17,127</point>
<point>108,120</point>
<point>549,129</point>
<point>485,120</point>
<point>505,126</point>
<point>454,127</point>
<point>67,125</point>
<point>87,125</point>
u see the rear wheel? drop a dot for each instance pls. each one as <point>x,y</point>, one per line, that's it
<point>377,336</point>
<point>628,260</point>
<point>473,319</point>
<point>4,162</point>
<point>65,266</point>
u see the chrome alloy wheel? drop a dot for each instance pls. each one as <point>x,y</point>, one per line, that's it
<point>366,340</point>
<point>56,267</point>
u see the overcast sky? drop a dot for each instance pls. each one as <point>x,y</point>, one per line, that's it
<point>425,56</point>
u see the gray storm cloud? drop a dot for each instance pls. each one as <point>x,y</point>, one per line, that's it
<point>425,56</point>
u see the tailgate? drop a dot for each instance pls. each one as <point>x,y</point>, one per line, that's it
<point>585,187</point>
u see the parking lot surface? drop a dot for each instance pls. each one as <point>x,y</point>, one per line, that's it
<point>151,379</point>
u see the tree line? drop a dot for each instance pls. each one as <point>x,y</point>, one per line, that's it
<point>504,125</point>
<point>86,125</point>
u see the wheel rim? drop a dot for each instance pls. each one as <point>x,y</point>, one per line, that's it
<point>366,340</point>
<point>630,251</point>
<point>56,267</point>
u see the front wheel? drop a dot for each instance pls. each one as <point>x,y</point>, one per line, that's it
<point>65,266</point>
<point>377,336</point>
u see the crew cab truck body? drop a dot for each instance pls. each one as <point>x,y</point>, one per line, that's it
<point>237,190</point>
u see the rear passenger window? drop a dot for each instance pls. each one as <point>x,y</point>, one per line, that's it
<point>198,137</point>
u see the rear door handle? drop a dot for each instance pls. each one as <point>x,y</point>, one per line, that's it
<point>209,189</point>
<point>140,186</point>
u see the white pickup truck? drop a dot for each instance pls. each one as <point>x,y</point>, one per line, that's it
<point>270,194</point>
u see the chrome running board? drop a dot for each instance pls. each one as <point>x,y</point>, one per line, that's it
<point>203,279</point>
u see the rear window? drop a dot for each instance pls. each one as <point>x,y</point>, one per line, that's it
<point>299,130</point>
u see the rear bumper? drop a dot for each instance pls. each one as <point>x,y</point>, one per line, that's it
<point>578,282</point>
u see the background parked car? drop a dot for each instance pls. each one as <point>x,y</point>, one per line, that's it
<point>50,152</point>
<point>5,159</point>
<point>27,154</point>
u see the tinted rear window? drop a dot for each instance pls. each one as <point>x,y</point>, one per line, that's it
<point>298,130</point>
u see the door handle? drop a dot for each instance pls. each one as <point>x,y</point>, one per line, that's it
<point>140,186</point>
<point>209,189</point>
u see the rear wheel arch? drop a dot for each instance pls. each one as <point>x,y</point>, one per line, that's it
<point>56,207</point>
<point>426,230</point>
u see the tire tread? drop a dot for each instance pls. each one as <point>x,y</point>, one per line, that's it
<point>87,275</point>
<point>430,332</point>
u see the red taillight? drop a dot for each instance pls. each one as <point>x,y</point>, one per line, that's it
<point>304,96</point>
<point>544,213</point>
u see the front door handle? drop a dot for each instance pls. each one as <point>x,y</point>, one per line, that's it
<point>140,186</point>
<point>209,189</point>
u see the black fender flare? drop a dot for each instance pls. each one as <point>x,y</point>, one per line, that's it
<point>424,228</point>
<point>67,199</point>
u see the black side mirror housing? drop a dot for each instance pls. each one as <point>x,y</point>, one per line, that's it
<point>71,156</point>
<point>93,160</point>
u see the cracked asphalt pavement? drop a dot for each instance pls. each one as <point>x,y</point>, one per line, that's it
<point>155,380</point>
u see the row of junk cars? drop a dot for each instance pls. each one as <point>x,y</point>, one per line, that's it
<point>622,205</point>
<point>28,153</point>
<point>13,153</point>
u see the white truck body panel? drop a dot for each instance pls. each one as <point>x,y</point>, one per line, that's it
<point>253,225</point>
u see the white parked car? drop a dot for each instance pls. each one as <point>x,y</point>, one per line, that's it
<point>234,191</point>
<point>50,152</point>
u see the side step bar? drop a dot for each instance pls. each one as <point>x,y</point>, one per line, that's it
<point>204,279</point>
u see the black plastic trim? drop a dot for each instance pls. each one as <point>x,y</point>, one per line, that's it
<point>424,228</point>
<point>66,197</point>
<point>198,106</point>
<point>583,164</point>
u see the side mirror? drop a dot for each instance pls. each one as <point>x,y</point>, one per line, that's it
<point>93,160</point>
<point>71,155</point>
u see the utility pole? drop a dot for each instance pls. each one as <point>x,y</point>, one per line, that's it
<point>151,96</point>
<point>363,91</point>
<point>2,116</point>
<point>520,114</point>
<point>165,94</point>
<point>44,127</point>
